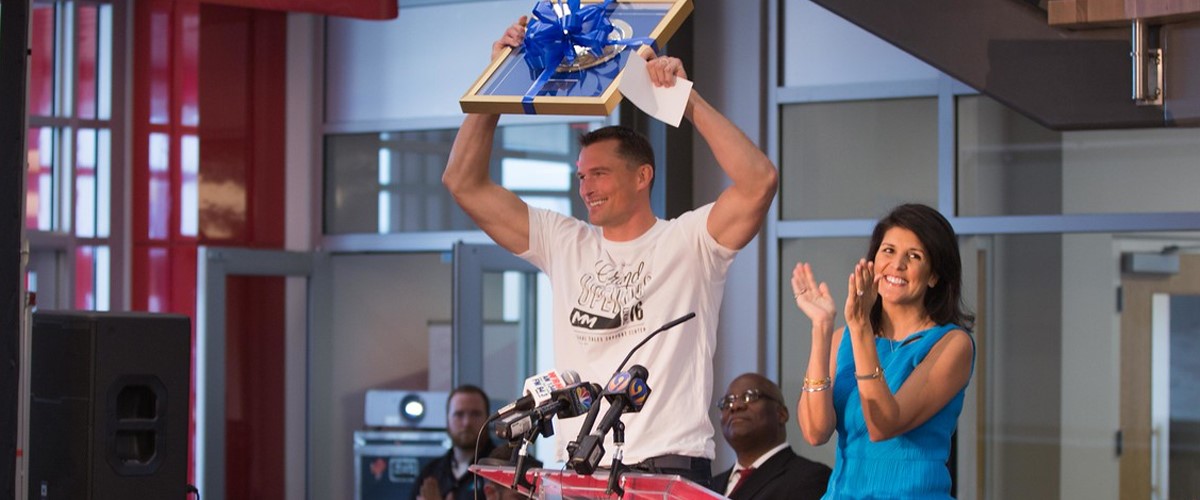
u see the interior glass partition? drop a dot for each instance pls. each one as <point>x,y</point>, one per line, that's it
<point>1043,418</point>
<point>857,159</point>
<point>391,182</point>
<point>1064,401</point>
<point>1009,165</point>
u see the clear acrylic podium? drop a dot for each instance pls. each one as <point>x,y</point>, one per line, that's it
<point>568,485</point>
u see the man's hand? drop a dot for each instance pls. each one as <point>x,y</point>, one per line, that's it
<point>429,490</point>
<point>513,37</point>
<point>664,70</point>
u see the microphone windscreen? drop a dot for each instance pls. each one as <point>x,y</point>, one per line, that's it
<point>639,371</point>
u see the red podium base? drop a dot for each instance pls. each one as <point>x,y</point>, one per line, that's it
<point>568,485</point>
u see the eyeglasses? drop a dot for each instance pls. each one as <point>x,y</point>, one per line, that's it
<point>747,397</point>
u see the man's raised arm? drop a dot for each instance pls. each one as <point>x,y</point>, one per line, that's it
<point>740,210</point>
<point>738,213</point>
<point>499,212</point>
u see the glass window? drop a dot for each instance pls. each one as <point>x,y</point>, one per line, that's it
<point>69,149</point>
<point>857,159</point>
<point>536,175</point>
<point>44,269</point>
<point>92,278</point>
<point>832,259</point>
<point>1010,165</point>
<point>40,179</point>
<point>187,63</point>
<point>160,186</point>
<point>41,59</point>
<point>189,177</point>
<point>160,68</point>
<point>391,182</point>
<point>1007,164</point>
<point>820,48</point>
<point>92,183</point>
<point>86,51</point>
<point>552,139</point>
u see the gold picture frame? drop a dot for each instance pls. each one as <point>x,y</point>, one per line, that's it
<point>506,86</point>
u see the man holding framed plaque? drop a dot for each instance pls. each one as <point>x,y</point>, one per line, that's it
<point>626,272</point>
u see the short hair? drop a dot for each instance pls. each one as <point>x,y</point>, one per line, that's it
<point>767,385</point>
<point>943,302</point>
<point>631,144</point>
<point>469,389</point>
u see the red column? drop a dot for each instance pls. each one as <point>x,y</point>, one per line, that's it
<point>163,132</point>
<point>208,152</point>
<point>242,100</point>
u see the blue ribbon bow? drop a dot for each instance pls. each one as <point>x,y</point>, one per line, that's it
<point>549,38</point>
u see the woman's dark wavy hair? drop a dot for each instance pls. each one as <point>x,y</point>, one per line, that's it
<point>943,302</point>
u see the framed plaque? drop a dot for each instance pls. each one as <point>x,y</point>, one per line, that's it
<point>585,83</point>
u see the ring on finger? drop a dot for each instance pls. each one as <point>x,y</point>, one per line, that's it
<point>859,292</point>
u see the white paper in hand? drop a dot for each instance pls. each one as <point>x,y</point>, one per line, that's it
<point>665,104</point>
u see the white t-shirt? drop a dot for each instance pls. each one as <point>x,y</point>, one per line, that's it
<point>608,296</point>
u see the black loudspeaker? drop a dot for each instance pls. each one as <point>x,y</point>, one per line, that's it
<point>108,416</point>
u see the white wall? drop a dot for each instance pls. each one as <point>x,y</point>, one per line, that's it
<point>1090,368</point>
<point>370,63</point>
<point>824,49</point>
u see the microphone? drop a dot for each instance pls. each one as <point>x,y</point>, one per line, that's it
<point>586,428</point>
<point>538,389</point>
<point>568,402</point>
<point>626,393</point>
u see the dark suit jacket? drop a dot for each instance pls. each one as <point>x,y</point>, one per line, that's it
<point>785,476</point>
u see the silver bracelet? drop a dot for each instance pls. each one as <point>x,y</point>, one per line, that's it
<point>878,373</point>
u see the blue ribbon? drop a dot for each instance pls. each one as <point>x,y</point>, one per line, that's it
<point>549,39</point>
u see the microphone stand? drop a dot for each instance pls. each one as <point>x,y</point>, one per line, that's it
<point>618,468</point>
<point>595,409</point>
<point>522,465</point>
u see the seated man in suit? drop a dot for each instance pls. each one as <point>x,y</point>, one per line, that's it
<point>753,420</point>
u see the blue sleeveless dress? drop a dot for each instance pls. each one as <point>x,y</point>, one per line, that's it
<point>911,465</point>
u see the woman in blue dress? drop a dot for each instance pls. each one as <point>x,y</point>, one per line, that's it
<point>891,382</point>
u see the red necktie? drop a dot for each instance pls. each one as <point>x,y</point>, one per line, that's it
<point>741,479</point>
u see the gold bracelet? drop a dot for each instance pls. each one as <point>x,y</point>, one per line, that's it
<point>878,373</point>
<point>809,382</point>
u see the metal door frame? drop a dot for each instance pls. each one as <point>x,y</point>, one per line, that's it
<point>470,262</point>
<point>214,265</point>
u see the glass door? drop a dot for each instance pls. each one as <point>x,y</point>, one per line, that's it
<point>495,325</point>
<point>502,325</point>
<point>302,377</point>
<point>1160,420</point>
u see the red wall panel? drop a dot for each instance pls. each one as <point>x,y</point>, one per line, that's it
<point>242,97</point>
<point>365,9</point>
<point>215,73</point>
